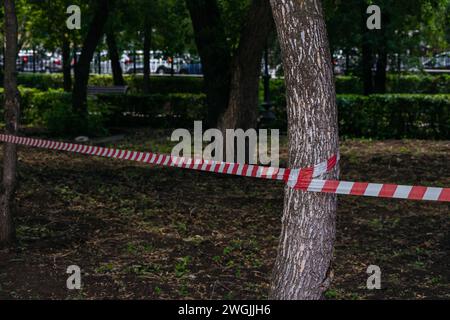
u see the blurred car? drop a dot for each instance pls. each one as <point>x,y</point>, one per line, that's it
<point>53,63</point>
<point>191,67</point>
<point>439,63</point>
<point>27,61</point>
<point>170,65</point>
<point>130,68</point>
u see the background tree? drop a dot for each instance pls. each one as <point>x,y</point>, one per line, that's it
<point>113,53</point>
<point>176,29</point>
<point>149,7</point>
<point>82,68</point>
<point>407,25</point>
<point>44,31</point>
<point>231,59</point>
<point>302,267</point>
<point>214,52</point>
<point>114,56</point>
<point>243,100</point>
<point>12,109</point>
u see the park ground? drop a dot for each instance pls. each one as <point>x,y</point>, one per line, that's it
<point>143,232</point>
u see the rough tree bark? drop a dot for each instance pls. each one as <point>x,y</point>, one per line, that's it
<point>12,109</point>
<point>115,59</point>
<point>215,55</point>
<point>302,268</point>
<point>242,110</point>
<point>82,68</point>
<point>67,76</point>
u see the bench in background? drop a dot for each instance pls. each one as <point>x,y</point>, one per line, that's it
<point>95,90</point>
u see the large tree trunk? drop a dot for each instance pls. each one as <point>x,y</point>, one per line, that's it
<point>115,59</point>
<point>67,76</point>
<point>147,48</point>
<point>302,266</point>
<point>242,111</point>
<point>82,68</point>
<point>12,109</point>
<point>215,55</point>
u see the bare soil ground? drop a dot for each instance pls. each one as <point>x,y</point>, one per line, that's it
<point>142,232</point>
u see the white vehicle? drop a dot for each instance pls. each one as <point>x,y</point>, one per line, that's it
<point>157,63</point>
<point>440,63</point>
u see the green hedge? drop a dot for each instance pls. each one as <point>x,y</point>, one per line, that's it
<point>395,116</point>
<point>391,116</point>
<point>158,84</point>
<point>42,108</point>
<point>377,116</point>
<point>412,84</point>
<point>429,84</point>
<point>52,109</point>
<point>157,110</point>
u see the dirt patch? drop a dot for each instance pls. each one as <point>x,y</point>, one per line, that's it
<point>154,233</point>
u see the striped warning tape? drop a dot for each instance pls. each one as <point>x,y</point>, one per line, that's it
<point>302,179</point>
<point>182,162</point>
<point>375,190</point>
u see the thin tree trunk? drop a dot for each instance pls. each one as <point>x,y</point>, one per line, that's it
<point>67,76</point>
<point>382,61</point>
<point>242,111</point>
<point>366,53</point>
<point>215,55</point>
<point>147,48</point>
<point>366,66</point>
<point>12,109</point>
<point>115,59</point>
<point>302,268</point>
<point>82,68</point>
<point>380,74</point>
<point>347,61</point>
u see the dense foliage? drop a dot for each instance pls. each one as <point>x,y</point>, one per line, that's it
<point>429,84</point>
<point>376,116</point>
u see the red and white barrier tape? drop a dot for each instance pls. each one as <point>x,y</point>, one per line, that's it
<point>303,179</point>
<point>375,190</point>
<point>289,176</point>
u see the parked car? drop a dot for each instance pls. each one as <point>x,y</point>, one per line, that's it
<point>191,67</point>
<point>439,63</point>
<point>27,61</point>
<point>129,68</point>
<point>166,66</point>
<point>54,63</point>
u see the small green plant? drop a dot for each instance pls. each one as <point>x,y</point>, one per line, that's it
<point>181,268</point>
<point>183,291</point>
<point>227,250</point>
<point>157,291</point>
<point>105,268</point>
<point>331,294</point>
<point>181,227</point>
<point>141,270</point>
